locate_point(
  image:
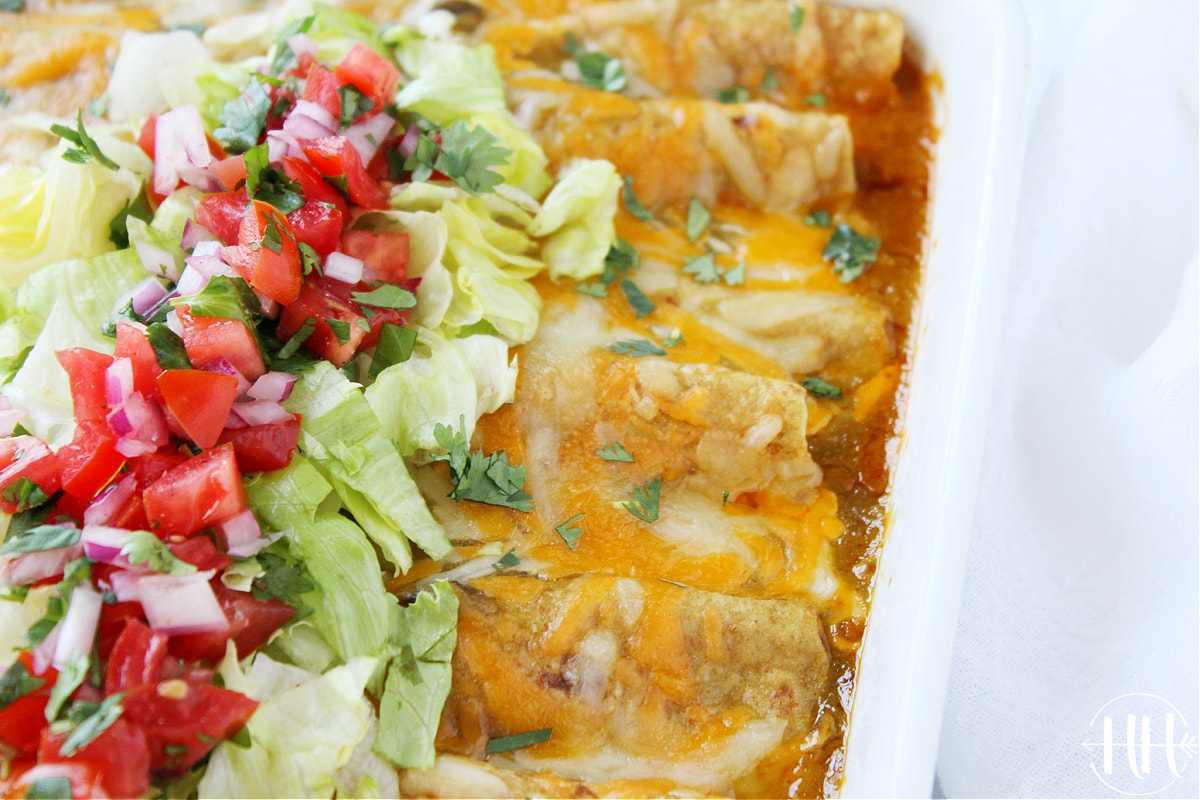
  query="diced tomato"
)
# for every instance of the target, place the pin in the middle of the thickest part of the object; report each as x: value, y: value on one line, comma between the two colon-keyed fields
x: 146, y: 139
x: 119, y: 755
x: 374, y: 75
x: 384, y: 253
x: 221, y: 213
x: 22, y: 720
x: 201, y: 553
x: 230, y: 172
x: 321, y: 88
x: 85, y: 369
x: 267, y: 255
x: 183, y: 721
x: 318, y: 225
x: 84, y: 777
x: 313, y: 185
x: 251, y: 623
x: 90, y: 461
x: 335, y: 157
x: 133, y: 344
x: 263, y: 448
x: 199, y: 400
x: 27, y: 457
x: 318, y: 304
x: 113, y: 617
x: 200, y: 492
x: 209, y: 338
x: 137, y: 657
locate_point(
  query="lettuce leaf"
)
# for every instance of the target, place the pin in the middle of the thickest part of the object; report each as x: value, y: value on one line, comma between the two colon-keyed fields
x: 451, y: 81
x: 418, y: 679
x: 576, y: 220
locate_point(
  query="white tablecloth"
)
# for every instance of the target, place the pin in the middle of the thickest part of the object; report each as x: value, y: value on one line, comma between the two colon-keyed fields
x: 1081, y: 601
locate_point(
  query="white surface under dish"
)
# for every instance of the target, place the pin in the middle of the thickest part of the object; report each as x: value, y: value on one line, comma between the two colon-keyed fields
x: 978, y: 47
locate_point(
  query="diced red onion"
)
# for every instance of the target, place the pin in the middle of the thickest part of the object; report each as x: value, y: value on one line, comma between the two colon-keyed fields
x: 78, y: 627
x: 118, y: 382
x: 341, y: 267
x: 207, y: 260
x: 233, y: 422
x: 179, y: 604
x: 368, y: 135
x: 157, y: 261
x: 147, y: 294
x: 408, y: 143
x: 282, y: 143
x: 202, y: 179
x: 22, y: 569
x: 274, y: 385
x: 308, y: 120
x: 224, y: 366
x: 270, y: 308
x: 103, y: 544
x: 139, y: 425
x: 43, y: 651
x: 174, y: 324
x: 242, y: 534
x: 9, y: 419
x: 302, y: 44
x: 179, y: 142
x: 261, y: 412
x: 191, y: 281
x: 124, y: 585
x: 194, y: 233
x: 105, y: 507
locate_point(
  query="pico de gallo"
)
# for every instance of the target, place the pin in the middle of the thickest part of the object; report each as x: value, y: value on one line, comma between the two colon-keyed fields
x: 138, y: 519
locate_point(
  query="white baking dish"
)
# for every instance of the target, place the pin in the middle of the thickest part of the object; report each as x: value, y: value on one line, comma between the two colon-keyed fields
x: 979, y: 49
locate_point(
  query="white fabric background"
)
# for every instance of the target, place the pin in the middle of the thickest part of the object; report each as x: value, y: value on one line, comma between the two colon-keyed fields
x: 1082, y: 582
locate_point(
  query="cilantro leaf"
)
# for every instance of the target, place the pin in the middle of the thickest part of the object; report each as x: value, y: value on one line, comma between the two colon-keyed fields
x: 736, y: 275
x: 244, y: 118
x: 850, y: 252
x: 703, y: 268
x: 269, y: 185
x: 478, y: 477
x: 509, y: 559
x: 139, y: 208
x: 43, y: 537
x: 467, y: 156
x: 570, y: 535
x: 620, y: 258
x: 698, y: 219
x: 644, y: 504
x: 592, y: 289
x: 819, y: 218
x: 770, y: 81
x: 143, y: 547
x: 615, y: 452
x: 70, y: 677
x: 631, y: 202
x: 386, y: 296
x: 597, y: 70
x: 816, y: 100
x: 225, y: 297
x: 641, y: 304
x: 504, y: 744
x: 820, y: 388
x: 673, y: 338
x: 93, y: 725
x: 636, y: 348
x: 85, y: 150
x: 281, y: 579
x: 796, y: 18
x: 734, y: 94
x: 395, y: 347
x: 24, y: 494
x: 353, y: 104
x: 16, y: 683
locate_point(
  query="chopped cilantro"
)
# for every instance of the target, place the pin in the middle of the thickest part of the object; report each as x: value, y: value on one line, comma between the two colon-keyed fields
x: 703, y: 268
x: 16, y: 683
x: 620, y: 258
x: 736, y: 275
x: 43, y: 537
x: 56, y: 787
x: 818, y: 218
x: 569, y: 534
x: 93, y: 725
x: 644, y: 504
x: 850, y: 252
x: 596, y: 70
x: 673, y: 338
x: 631, y: 202
x: 725, y: 497
x: 281, y: 579
x: 734, y: 94
x: 592, y: 289
x: 395, y: 347
x: 466, y: 156
x: 353, y: 104
x: 770, y: 81
x: 310, y: 259
x: 636, y: 348
x: 139, y: 208
x: 24, y: 494
x: 796, y: 17
x: 70, y: 677
x: 386, y: 296
x: 641, y: 304
x: 269, y: 185
x: 340, y: 328
x: 168, y: 347
x: 509, y: 559
x: 297, y: 339
x: 478, y: 477
x: 504, y: 744
x: 816, y: 100
x: 85, y: 150
x: 820, y: 388
x: 244, y: 118
x: 698, y: 219
x: 225, y: 297
x: 615, y: 452
x: 145, y: 548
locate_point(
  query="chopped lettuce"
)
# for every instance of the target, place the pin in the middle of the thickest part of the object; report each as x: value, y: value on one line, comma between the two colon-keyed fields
x: 577, y: 220
x: 443, y: 379
x: 153, y: 72
x: 418, y: 678
x: 306, y: 728
x: 451, y: 81
x: 341, y: 435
